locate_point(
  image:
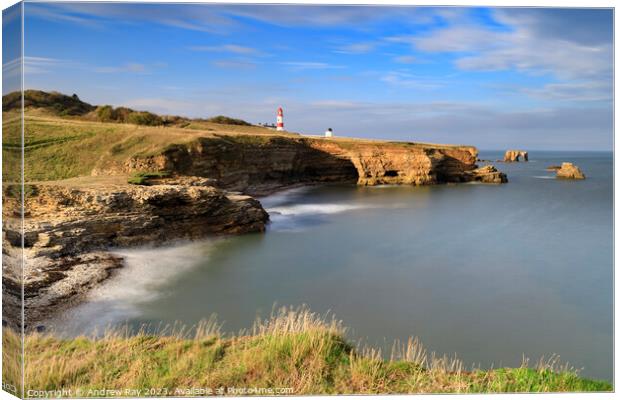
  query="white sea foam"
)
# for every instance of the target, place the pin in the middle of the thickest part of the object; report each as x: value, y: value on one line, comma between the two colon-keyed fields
x: 146, y: 271
x: 315, y: 209
x: 282, y: 197
x: 544, y: 177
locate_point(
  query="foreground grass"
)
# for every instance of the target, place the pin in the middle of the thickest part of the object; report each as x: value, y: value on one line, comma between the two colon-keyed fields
x: 293, y: 352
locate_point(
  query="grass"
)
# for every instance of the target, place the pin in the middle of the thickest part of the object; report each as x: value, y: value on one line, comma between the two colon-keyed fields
x: 144, y: 178
x: 57, y: 148
x: 61, y: 148
x: 294, y: 351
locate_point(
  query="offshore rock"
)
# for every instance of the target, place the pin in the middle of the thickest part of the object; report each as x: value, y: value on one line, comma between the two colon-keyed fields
x: 515, y: 156
x: 487, y: 174
x: 569, y: 171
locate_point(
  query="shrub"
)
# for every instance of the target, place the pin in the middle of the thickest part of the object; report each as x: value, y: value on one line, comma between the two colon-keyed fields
x: 105, y: 113
x: 58, y: 103
x: 221, y: 119
x: 121, y: 114
x: 144, y: 118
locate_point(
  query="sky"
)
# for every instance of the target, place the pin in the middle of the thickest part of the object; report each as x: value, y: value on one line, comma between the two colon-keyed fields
x: 496, y: 78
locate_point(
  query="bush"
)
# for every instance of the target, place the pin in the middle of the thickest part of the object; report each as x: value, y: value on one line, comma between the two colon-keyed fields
x: 58, y: 103
x: 121, y: 114
x: 221, y: 119
x: 105, y: 113
x: 144, y: 118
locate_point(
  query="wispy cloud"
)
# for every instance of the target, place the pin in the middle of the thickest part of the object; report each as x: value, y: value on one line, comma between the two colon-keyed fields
x: 43, y: 65
x: 239, y: 64
x: 12, y: 68
x: 303, y: 65
x: 525, y: 47
x: 229, y: 48
x: 160, y: 105
x: 405, y: 59
x: 357, y: 48
x: 407, y: 80
x: 129, y: 67
x: 195, y: 17
x: 61, y: 13
x: 573, y: 91
x: 315, y: 15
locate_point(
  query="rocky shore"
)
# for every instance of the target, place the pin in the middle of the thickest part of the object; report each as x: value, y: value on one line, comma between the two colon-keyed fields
x: 68, y: 230
x: 69, y: 225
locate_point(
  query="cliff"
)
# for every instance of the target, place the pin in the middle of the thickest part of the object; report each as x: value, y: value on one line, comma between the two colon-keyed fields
x: 69, y: 227
x: 258, y: 164
x: 79, y: 204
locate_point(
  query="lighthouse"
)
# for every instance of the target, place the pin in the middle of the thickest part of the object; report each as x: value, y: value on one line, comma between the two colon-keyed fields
x: 280, y: 120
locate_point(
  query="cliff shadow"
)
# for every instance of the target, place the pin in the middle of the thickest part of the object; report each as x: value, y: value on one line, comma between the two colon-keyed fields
x: 251, y: 163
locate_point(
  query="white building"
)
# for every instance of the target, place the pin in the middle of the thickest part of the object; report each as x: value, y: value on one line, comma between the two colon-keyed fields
x: 329, y: 132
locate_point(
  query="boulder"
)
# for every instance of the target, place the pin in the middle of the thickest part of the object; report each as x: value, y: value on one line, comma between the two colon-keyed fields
x: 486, y: 174
x: 569, y: 171
x: 515, y: 156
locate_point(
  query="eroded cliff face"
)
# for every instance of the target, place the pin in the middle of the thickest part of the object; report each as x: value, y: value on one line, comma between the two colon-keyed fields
x: 257, y: 165
x: 68, y: 230
x: 69, y: 225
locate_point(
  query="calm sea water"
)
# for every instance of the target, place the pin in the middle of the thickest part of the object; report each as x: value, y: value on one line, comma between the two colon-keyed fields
x: 487, y: 272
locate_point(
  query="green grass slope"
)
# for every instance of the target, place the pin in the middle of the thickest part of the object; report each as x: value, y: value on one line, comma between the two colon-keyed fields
x: 293, y: 352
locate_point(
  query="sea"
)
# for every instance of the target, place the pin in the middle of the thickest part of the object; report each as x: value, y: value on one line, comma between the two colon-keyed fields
x: 491, y: 274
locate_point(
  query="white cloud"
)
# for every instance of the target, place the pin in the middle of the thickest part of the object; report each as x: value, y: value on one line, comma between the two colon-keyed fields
x: 405, y: 59
x: 311, y: 65
x: 408, y: 80
x: 43, y: 65
x: 129, y: 67
x: 240, y: 64
x: 228, y: 48
x: 522, y: 47
x: 573, y: 91
x: 356, y: 48
x: 197, y: 17
x: 159, y: 105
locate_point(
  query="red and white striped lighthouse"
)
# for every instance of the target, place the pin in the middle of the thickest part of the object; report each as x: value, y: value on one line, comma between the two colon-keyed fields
x: 280, y: 120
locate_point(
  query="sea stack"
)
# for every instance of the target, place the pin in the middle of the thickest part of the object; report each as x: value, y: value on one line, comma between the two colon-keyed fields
x: 515, y: 156
x: 569, y: 171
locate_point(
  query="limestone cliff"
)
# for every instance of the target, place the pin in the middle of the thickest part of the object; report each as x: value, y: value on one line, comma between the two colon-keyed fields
x: 68, y: 230
x: 70, y: 224
x: 257, y: 165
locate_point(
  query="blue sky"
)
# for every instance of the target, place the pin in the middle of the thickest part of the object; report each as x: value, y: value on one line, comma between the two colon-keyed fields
x: 494, y: 78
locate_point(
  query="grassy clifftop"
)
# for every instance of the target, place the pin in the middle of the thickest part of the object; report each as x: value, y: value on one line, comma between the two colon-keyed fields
x: 60, y: 148
x: 293, y: 352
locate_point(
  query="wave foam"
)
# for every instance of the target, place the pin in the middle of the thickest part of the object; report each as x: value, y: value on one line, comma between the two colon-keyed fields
x: 316, y: 209
x: 146, y: 271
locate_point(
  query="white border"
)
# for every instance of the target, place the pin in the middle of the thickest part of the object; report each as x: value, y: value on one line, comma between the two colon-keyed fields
x: 482, y: 3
